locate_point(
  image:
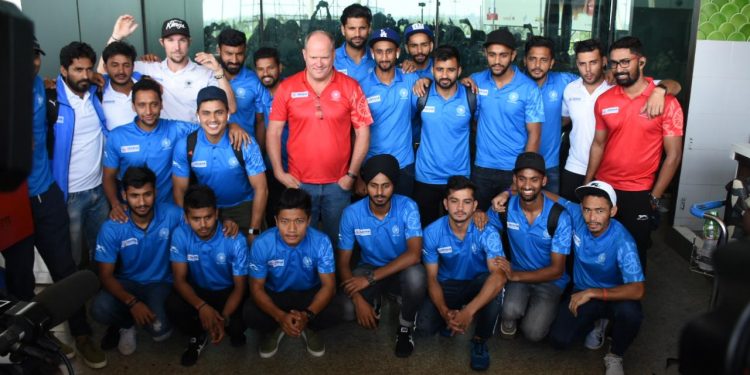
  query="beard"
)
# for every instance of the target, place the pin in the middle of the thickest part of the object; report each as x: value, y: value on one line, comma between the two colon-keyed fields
x: 625, y: 80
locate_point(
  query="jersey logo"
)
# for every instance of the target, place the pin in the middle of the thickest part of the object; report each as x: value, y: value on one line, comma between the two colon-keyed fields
x: 233, y: 162
x: 642, y: 218
x: 166, y: 144
x: 173, y: 249
x: 553, y: 96
x: 403, y: 93
x: 483, y: 92
x: 335, y: 95
x: 130, y: 149
x: 188, y: 84
x: 610, y: 111
x: 514, y: 226
x: 276, y: 263
x: 362, y: 232
x: 601, y: 258
x: 307, y: 263
x: 383, y: 34
x: 395, y: 230
x: 513, y: 97
x: 461, y: 111
x: 445, y: 250
x: 240, y: 92
x: 199, y: 164
x: 373, y: 99
x: 221, y: 258
x: 428, y: 109
x: 100, y: 249
x: 193, y: 257
x: 129, y: 242
x: 164, y: 233
x: 300, y: 94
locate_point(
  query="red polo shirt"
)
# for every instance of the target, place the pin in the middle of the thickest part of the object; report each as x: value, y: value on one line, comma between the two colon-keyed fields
x: 320, y: 148
x: 634, y: 142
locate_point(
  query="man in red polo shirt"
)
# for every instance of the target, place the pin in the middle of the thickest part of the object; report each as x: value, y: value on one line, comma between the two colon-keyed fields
x: 320, y: 106
x: 628, y: 144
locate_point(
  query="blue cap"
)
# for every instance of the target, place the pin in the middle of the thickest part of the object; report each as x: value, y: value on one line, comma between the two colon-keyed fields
x: 212, y: 93
x: 418, y: 28
x: 384, y: 34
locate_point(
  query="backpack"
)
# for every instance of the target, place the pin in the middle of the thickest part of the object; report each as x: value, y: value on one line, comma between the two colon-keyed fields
x: 552, y: 219
x: 192, y: 139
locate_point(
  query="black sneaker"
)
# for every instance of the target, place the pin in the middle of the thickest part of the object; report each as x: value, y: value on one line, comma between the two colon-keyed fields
x: 404, y: 342
x: 111, y: 338
x: 193, y: 350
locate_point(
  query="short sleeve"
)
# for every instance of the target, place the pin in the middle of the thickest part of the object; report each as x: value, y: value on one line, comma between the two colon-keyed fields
x: 494, y: 219
x: 573, y: 209
x: 256, y: 266
x: 346, y: 230
x: 429, y: 248
x: 325, y: 256
x: 628, y: 262
x: 563, y: 234
x: 111, y: 157
x: 360, y: 111
x: 254, y: 164
x: 184, y: 128
x: 239, y: 263
x: 107, y: 246
x: 491, y: 243
x: 672, y: 119
x: 279, y: 104
x: 180, y: 167
x: 534, y: 106
x: 412, y: 220
x: 178, y: 248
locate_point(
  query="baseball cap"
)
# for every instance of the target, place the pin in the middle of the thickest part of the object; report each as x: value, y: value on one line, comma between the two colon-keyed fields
x: 418, y: 28
x: 531, y: 160
x: 37, y: 47
x: 175, y: 26
x: 384, y: 34
x: 501, y: 36
x: 212, y: 93
x: 597, y: 186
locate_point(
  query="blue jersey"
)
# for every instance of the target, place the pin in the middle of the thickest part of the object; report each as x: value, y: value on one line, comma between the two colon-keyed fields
x: 503, y: 115
x: 214, y: 263
x: 249, y: 94
x: 40, y: 177
x: 444, y: 148
x: 531, y: 244
x: 460, y: 259
x: 381, y: 241
x: 427, y: 71
x: 392, y: 107
x: 291, y: 268
x: 344, y: 64
x: 141, y: 255
x: 552, y: 96
x: 606, y: 261
x: 216, y: 165
x: 131, y: 146
x: 267, y: 101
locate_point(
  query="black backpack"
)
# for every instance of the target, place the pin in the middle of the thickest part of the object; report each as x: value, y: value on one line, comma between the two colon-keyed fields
x: 192, y: 139
x: 552, y: 219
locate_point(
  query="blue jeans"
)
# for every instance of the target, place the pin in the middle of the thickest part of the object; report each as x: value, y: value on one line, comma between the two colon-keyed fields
x: 536, y: 303
x: 626, y: 318
x: 490, y: 182
x: 87, y: 210
x: 553, y: 180
x: 108, y: 310
x: 457, y: 293
x: 328, y: 203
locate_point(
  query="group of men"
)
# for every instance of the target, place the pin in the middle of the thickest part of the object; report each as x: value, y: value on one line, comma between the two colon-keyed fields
x: 245, y: 152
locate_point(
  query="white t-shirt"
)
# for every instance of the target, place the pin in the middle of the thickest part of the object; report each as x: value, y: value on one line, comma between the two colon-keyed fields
x: 578, y: 104
x: 118, y: 107
x: 180, y: 88
x: 85, y: 171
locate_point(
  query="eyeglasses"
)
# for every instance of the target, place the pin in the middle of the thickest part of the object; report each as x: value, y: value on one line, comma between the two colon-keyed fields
x: 624, y: 63
x: 318, y: 109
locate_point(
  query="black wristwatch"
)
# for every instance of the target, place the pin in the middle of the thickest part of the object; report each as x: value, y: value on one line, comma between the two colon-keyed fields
x: 310, y: 314
x: 371, y: 278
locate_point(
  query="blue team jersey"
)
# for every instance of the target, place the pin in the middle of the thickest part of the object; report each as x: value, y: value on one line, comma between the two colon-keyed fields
x: 267, y: 102
x: 217, y: 166
x: 381, y: 241
x: 444, y: 147
x: 531, y: 244
x: 392, y: 107
x: 212, y: 264
x: 503, y: 115
x: 131, y: 146
x: 249, y: 94
x: 552, y: 96
x: 460, y: 259
x: 40, y: 177
x: 291, y: 268
x: 606, y: 261
x: 344, y: 64
x: 141, y: 255
x: 427, y: 71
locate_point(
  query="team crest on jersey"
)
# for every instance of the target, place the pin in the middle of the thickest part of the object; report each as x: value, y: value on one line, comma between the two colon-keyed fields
x: 164, y: 233
x: 403, y: 93
x: 307, y: 263
x: 395, y: 230
x: 233, y: 162
x: 601, y: 258
x: 553, y: 95
x: 513, y: 97
x: 460, y: 111
x: 166, y: 144
x: 240, y: 92
x: 221, y: 258
x: 335, y: 95
x: 188, y: 84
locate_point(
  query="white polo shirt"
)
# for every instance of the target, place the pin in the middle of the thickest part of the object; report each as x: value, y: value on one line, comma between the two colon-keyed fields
x: 180, y: 87
x: 118, y: 107
x: 85, y: 171
x: 578, y: 104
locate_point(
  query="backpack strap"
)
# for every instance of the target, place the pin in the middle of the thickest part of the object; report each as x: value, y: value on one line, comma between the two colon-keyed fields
x: 421, y: 103
x: 192, y: 139
x: 504, y: 238
x: 471, y: 97
x: 553, y: 218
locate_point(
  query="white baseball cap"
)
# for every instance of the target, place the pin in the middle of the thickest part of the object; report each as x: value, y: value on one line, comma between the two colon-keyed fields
x: 597, y: 186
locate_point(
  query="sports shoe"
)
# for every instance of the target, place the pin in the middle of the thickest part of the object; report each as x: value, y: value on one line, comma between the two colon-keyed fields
x: 595, y: 338
x: 480, y: 355
x: 270, y: 344
x: 315, y: 345
x: 91, y: 354
x: 377, y: 305
x: 613, y: 365
x: 111, y: 338
x: 404, y: 342
x: 65, y: 349
x: 193, y: 350
x: 508, y: 329
x: 126, y: 344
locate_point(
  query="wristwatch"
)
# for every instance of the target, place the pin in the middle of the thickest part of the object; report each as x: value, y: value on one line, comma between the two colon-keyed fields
x: 253, y: 231
x: 371, y: 278
x: 219, y: 76
x: 310, y: 314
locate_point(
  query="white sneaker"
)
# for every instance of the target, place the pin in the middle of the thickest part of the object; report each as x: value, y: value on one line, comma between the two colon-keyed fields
x: 613, y: 365
x: 126, y: 345
x: 595, y: 338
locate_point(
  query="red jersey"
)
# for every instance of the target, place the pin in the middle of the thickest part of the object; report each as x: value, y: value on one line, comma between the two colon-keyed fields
x: 320, y: 127
x: 634, y: 142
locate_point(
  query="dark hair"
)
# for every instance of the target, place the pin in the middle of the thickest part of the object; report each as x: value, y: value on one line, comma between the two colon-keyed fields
x: 199, y: 196
x: 119, y: 48
x: 630, y: 42
x: 137, y: 177
x: 540, y: 41
x: 459, y: 183
x: 446, y: 52
x: 292, y: 198
x: 232, y: 38
x: 76, y: 50
x: 356, y: 11
x: 266, y: 53
x: 597, y: 193
x: 589, y: 45
x: 146, y: 84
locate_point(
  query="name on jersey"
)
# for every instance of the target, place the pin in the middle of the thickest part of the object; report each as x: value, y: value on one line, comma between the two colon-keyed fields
x: 363, y: 232
x: 373, y: 99
x: 193, y: 257
x: 428, y: 109
x: 129, y: 242
x: 300, y: 94
x: 483, y: 92
x: 130, y: 149
x: 199, y: 164
x: 445, y: 250
x: 610, y: 111
x: 514, y: 226
x: 276, y: 263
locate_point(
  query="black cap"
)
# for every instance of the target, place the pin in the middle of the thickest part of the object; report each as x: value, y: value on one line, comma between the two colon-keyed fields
x: 383, y: 163
x: 212, y: 93
x: 175, y: 26
x: 501, y: 36
x: 37, y: 47
x: 530, y: 160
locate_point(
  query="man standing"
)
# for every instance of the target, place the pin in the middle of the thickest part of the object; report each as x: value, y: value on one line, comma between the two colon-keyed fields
x: 622, y: 127
x: 463, y: 278
x: 387, y: 229
x: 292, y: 279
x: 392, y: 104
x: 353, y: 57
x: 210, y: 277
x: 134, y: 265
x: 419, y: 44
x: 510, y: 116
x: 118, y: 58
x: 320, y: 106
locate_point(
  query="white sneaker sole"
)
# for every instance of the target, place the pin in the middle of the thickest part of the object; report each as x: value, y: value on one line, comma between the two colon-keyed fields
x: 267, y: 355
